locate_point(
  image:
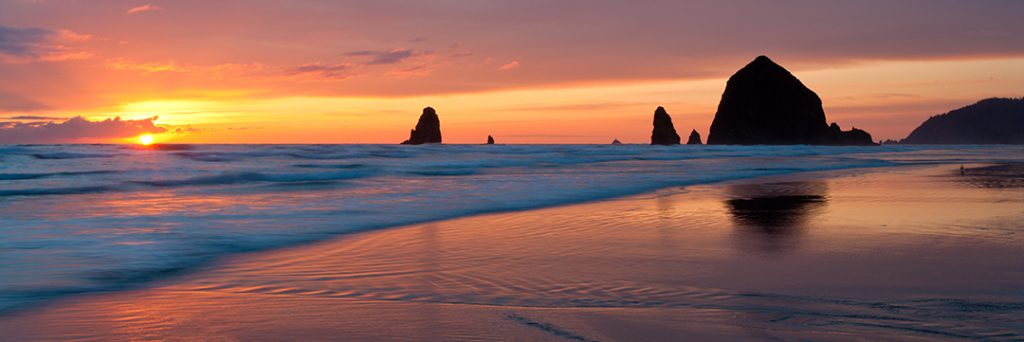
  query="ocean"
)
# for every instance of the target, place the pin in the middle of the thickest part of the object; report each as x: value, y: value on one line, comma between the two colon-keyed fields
x: 80, y: 219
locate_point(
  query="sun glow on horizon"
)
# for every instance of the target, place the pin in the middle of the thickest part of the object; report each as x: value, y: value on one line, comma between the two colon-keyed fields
x: 580, y: 113
x: 146, y: 139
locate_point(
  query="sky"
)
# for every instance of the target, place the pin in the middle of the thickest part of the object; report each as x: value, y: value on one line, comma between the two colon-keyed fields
x: 524, y: 71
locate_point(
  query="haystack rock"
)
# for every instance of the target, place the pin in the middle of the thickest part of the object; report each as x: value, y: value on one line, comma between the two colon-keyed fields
x: 764, y: 104
x: 664, y: 132
x: 490, y: 140
x: 694, y: 138
x: 616, y: 142
x: 990, y: 121
x: 427, y: 131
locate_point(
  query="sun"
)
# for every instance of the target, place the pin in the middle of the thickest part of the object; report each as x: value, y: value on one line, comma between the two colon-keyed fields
x: 146, y: 139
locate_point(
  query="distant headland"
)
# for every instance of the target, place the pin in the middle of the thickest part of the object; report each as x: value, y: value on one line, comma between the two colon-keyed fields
x: 990, y: 121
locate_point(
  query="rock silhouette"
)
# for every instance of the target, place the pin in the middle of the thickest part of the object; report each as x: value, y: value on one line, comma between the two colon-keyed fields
x: 664, y: 132
x: 427, y: 131
x: 989, y: 121
x: 616, y: 142
x: 490, y: 140
x: 764, y: 104
x: 694, y: 138
x: 854, y: 136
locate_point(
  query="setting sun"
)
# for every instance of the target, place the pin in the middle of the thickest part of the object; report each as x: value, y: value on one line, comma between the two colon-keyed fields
x: 146, y: 139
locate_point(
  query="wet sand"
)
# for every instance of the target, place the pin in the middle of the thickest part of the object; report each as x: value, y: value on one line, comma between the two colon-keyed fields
x: 903, y: 254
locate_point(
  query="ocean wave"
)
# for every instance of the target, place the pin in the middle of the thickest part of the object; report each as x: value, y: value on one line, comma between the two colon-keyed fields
x: 193, y: 205
x: 65, y: 155
x: 254, y: 177
x: 55, y: 191
x: 22, y: 176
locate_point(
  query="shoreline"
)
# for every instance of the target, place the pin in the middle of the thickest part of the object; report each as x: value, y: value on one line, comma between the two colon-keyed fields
x: 392, y: 277
x: 149, y: 276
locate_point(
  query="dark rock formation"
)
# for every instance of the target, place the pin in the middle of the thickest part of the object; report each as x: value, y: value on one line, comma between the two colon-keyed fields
x: 854, y: 136
x: 616, y: 142
x: 427, y: 131
x: 990, y: 121
x: 764, y: 104
x: 694, y: 138
x: 490, y: 140
x: 664, y: 132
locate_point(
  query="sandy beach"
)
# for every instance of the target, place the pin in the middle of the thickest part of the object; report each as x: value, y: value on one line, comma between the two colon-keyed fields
x: 912, y: 253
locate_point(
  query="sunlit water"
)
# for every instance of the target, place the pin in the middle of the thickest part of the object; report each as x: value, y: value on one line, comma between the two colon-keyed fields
x: 77, y: 219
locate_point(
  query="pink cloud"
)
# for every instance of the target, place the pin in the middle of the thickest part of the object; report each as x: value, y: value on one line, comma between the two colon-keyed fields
x: 393, y: 56
x: 334, y: 71
x: 76, y: 129
x: 144, y: 68
x: 509, y: 66
x: 144, y: 8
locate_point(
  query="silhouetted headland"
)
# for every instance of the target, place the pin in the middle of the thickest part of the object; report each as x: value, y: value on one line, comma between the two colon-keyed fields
x: 990, y: 121
x: 764, y: 104
x: 664, y: 132
x: 427, y: 131
x: 694, y: 138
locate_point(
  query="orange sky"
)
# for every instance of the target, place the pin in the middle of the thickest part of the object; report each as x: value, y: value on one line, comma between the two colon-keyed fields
x: 526, y: 71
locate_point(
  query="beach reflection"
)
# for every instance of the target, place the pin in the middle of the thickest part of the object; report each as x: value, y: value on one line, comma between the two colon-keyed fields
x: 771, y: 217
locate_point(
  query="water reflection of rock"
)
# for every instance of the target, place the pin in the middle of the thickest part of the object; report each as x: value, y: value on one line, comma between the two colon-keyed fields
x: 771, y: 217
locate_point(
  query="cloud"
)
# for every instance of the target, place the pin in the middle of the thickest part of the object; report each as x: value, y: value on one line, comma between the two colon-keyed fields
x: 144, y: 68
x: 144, y: 8
x: 217, y: 71
x: 337, y: 71
x: 76, y: 129
x: 35, y: 117
x: 23, y: 42
x: 185, y: 130
x: 29, y: 44
x: 509, y: 66
x: 392, y: 56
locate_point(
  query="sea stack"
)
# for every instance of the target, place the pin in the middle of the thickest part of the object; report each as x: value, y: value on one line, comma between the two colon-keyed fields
x: 490, y: 140
x: 764, y: 104
x: 427, y: 131
x: 664, y: 132
x: 694, y: 138
x: 616, y: 142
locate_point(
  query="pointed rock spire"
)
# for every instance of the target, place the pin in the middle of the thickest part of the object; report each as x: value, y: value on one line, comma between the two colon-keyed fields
x: 694, y: 138
x: 490, y: 140
x: 427, y: 131
x: 664, y: 132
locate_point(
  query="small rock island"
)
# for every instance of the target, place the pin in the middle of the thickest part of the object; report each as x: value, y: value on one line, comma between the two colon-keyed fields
x: 694, y: 138
x: 427, y: 131
x: 664, y: 132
